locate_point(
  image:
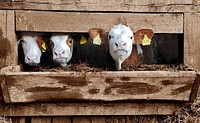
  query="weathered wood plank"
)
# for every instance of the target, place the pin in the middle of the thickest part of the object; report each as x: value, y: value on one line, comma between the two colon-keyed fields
x: 8, y: 50
x: 105, y: 5
x: 61, y: 120
x: 4, y: 90
x: 98, y: 119
x: 195, y: 88
x: 106, y: 86
x: 83, y: 119
x: 41, y: 120
x: 191, y: 37
x: 18, y: 120
x: 143, y: 119
x: 86, y: 108
x: 82, y: 22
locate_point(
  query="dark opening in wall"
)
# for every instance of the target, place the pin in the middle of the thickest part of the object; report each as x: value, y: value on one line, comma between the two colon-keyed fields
x: 164, y: 49
x: 169, y: 48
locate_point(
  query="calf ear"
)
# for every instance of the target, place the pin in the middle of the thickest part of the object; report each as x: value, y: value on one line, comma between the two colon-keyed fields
x: 41, y: 44
x: 141, y: 34
x: 93, y: 32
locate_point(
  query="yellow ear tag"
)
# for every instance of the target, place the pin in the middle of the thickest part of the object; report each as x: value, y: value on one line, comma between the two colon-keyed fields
x: 97, y: 40
x: 83, y: 40
x: 44, y: 48
x: 146, y: 41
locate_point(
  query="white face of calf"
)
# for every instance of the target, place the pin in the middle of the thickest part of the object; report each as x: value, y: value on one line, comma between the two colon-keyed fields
x: 120, y: 43
x: 62, y: 48
x: 31, y: 50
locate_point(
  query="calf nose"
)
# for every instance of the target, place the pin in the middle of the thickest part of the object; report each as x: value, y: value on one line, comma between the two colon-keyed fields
x: 120, y: 45
x: 32, y: 58
x: 59, y: 52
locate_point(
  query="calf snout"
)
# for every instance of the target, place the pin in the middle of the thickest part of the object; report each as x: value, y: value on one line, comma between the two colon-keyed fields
x: 59, y: 53
x: 120, y: 45
x: 32, y: 60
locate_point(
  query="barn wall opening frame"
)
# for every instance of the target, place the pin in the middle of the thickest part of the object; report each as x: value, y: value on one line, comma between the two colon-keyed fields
x: 32, y: 15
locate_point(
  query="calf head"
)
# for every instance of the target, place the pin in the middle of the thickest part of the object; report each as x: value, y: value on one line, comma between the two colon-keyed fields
x: 120, y: 43
x: 62, y: 48
x: 142, y: 38
x: 32, y: 46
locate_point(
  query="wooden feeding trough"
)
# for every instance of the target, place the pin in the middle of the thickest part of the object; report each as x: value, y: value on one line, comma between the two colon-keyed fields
x: 95, y: 93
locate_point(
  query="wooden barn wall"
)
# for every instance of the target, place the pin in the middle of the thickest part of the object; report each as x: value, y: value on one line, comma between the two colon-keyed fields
x: 105, y: 5
x: 188, y: 12
x: 70, y: 21
x: 192, y: 40
x: 8, y: 43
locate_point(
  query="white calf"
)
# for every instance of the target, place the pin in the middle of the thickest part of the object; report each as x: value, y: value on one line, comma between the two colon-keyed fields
x: 120, y: 43
x: 62, y: 48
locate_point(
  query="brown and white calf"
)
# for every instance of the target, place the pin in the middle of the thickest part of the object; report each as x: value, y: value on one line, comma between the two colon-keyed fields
x: 62, y: 48
x: 121, y: 41
x: 31, y: 46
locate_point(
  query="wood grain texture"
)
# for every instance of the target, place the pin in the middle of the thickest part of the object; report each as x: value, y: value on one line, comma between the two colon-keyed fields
x: 41, y: 120
x: 86, y: 108
x: 82, y: 22
x: 4, y: 89
x: 106, y: 86
x: 8, y: 43
x: 191, y: 40
x: 61, y: 119
x: 98, y: 119
x: 105, y: 5
x: 195, y: 88
x: 81, y: 119
x: 18, y: 120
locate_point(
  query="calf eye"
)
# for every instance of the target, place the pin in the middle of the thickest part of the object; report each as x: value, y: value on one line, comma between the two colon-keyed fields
x: 109, y: 37
x: 71, y: 41
x: 131, y: 37
x: 51, y: 44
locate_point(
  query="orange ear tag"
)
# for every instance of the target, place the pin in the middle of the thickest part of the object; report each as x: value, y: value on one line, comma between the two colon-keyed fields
x: 146, y: 41
x: 97, y: 40
x: 83, y: 40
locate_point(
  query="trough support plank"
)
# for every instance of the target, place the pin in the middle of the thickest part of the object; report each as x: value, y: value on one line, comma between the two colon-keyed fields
x: 5, y: 93
x: 81, y: 119
x: 98, y: 119
x: 37, y: 21
x: 41, y: 120
x: 191, y: 40
x: 82, y: 109
x: 195, y: 88
x: 8, y: 50
x: 106, y: 5
x: 61, y: 119
x: 18, y: 120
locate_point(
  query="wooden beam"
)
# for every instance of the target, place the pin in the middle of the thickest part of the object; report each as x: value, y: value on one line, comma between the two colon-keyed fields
x: 8, y: 50
x: 195, y: 88
x: 106, y: 86
x: 106, y: 5
x: 82, y: 22
x: 4, y: 89
x: 191, y: 37
x: 61, y: 120
x: 86, y: 108
x: 81, y: 119
x: 41, y: 120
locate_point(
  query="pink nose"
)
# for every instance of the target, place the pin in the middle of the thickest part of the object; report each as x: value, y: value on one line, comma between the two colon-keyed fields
x: 32, y: 59
x: 60, y: 52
